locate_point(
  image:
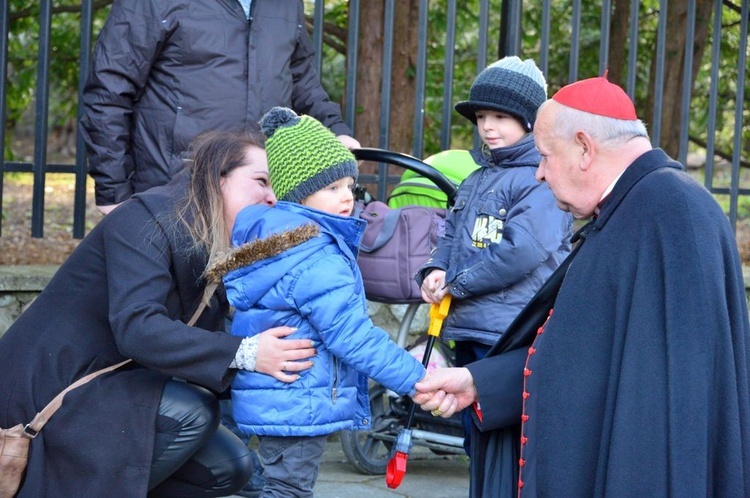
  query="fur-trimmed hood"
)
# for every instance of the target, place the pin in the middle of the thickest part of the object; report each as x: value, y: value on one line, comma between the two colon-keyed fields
x: 272, y: 241
x: 258, y: 250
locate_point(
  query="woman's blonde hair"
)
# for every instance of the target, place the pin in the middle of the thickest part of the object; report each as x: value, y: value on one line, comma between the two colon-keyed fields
x: 212, y: 155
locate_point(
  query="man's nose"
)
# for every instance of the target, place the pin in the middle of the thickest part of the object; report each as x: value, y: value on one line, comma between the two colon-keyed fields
x: 539, y: 175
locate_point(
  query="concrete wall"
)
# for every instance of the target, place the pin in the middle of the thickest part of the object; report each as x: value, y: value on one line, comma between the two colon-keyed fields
x: 19, y: 285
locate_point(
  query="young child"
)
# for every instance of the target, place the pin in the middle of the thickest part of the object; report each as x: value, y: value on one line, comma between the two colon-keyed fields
x: 296, y: 265
x: 505, y: 234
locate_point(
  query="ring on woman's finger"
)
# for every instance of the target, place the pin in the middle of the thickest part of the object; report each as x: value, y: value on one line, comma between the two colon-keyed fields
x: 436, y: 412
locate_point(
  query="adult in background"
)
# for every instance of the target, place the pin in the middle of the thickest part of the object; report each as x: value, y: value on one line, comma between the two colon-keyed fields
x: 163, y: 71
x: 637, y: 384
x: 127, y: 291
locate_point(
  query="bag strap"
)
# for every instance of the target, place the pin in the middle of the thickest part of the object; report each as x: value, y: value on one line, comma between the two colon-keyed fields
x: 32, y: 429
x: 387, y: 229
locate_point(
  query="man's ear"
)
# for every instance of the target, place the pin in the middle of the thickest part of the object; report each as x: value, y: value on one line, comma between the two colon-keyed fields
x: 588, y: 148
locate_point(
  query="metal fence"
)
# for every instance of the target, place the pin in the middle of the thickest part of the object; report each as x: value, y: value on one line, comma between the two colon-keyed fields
x: 510, y: 41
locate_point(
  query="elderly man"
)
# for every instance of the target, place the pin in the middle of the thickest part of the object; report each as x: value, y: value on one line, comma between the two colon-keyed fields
x: 637, y: 383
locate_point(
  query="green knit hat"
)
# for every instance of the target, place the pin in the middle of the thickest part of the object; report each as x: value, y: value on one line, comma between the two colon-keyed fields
x: 303, y: 155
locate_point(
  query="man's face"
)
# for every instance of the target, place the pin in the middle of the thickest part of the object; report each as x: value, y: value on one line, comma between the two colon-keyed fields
x: 560, y: 166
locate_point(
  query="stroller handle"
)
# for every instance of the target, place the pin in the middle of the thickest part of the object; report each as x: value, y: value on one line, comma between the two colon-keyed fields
x: 410, y: 163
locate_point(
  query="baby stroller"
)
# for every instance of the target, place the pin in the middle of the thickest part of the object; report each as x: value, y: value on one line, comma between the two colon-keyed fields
x: 370, y: 450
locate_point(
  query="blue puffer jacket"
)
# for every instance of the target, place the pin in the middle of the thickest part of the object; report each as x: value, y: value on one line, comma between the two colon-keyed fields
x: 299, y: 269
x: 503, y: 238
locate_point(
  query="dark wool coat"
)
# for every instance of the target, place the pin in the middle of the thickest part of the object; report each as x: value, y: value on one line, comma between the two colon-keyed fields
x: 125, y: 292
x: 638, y: 383
x: 163, y: 71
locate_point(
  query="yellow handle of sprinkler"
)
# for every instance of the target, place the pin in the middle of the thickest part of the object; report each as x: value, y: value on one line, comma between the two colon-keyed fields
x: 438, y: 312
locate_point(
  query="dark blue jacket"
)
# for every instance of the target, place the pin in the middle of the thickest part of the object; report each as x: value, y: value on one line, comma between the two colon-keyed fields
x: 503, y: 238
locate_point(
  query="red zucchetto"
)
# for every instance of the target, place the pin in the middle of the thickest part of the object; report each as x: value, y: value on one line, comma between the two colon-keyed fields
x: 597, y: 96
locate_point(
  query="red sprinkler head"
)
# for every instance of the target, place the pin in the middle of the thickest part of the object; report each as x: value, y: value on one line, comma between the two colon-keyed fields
x: 396, y: 470
x: 397, y: 464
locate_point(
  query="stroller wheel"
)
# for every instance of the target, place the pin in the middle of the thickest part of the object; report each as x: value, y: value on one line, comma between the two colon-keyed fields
x: 369, y: 450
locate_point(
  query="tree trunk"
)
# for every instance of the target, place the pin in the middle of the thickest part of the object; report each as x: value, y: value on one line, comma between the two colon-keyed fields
x: 674, y: 66
x: 618, y: 42
x: 369, y: 78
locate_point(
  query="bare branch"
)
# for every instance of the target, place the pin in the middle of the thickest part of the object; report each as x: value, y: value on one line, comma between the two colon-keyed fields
x: 722, y: 154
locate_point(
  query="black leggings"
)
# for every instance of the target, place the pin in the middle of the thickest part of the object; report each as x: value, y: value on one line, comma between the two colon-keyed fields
x: 193, y: 454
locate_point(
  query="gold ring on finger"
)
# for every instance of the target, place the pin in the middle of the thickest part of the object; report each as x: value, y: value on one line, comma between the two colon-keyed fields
x: 436, y: 412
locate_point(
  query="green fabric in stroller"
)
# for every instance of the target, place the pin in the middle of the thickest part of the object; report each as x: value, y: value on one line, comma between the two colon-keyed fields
x: 414, y: 189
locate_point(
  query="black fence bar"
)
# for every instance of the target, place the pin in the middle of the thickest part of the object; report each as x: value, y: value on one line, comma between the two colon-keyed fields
x: 661, y: 47
x: 713, y: 95
x: 450, y: 50
x: 739, y: 100
x: 604, y: 38
x: 510, y: 24
x: 42, y: 110
x: 3, y: 91
x: 385, y: 93
x: 484, y: 23
x: 687, y: 79
x: 79, y: 202
x: 351, y: 65
x: 633, y: 48
x: 317, y: 37
x: 420, y: 80
x: 544, y: 39
x: 575, y: 41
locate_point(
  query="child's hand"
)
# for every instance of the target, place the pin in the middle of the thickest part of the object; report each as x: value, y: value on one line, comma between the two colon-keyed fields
x: 282, y: 358
x: 433, y: 287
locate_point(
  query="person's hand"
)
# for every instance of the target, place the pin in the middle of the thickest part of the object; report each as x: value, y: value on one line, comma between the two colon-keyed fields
x: 107, y: 209
x: 433, y: 287
x: 445, y: 391
x: 282, y: 358
x: 349, y: 142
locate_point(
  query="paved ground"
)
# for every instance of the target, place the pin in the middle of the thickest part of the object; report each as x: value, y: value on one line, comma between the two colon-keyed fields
x: 428, y: 476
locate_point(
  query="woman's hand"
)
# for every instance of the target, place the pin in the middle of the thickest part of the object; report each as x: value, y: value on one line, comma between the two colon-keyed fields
x: 282, y: 358
x: 444, y: 391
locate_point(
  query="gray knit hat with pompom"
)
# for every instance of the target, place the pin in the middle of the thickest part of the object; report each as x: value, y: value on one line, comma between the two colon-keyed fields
x: 508, y: 85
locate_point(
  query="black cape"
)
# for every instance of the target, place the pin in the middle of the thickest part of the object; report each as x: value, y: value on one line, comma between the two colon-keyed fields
x: 639, y: 384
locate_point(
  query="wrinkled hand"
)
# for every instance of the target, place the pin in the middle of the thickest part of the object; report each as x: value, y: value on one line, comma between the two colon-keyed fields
x: 445, y: 391
x: 433, y: 287
x: 349, y: 142
x: 282, y: 358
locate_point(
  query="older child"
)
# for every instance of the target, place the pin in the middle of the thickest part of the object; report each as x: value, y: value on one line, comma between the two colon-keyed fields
x: 505, y: 235
x: 296, y: 265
